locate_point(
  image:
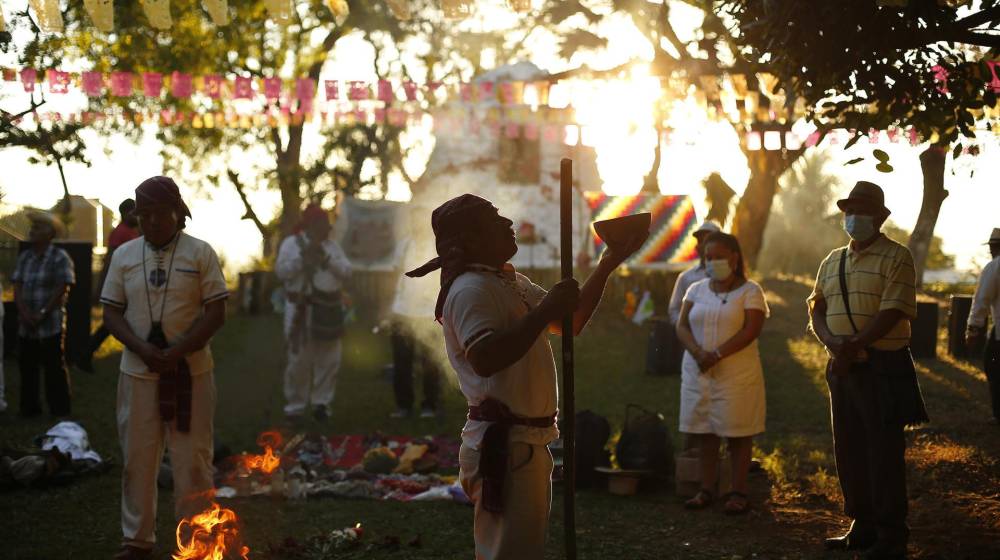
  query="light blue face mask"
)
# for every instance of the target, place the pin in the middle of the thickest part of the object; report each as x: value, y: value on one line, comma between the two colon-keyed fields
x: 719, y: 269
x: 859, y: 226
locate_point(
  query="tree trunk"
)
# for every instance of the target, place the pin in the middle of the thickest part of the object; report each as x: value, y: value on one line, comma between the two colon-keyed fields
x: 932, y: 165
x: 754, y: 207
x: 290, y: 180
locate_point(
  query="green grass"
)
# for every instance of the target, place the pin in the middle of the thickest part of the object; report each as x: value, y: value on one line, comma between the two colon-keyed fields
x: 954, y: 471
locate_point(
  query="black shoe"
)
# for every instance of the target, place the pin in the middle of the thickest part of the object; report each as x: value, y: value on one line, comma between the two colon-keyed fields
x: 850, y: 541
x: 320, y: 414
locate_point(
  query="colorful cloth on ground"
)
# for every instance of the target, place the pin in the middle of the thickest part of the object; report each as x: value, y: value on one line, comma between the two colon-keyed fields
x: 673, y: 221
x: 351, y: 449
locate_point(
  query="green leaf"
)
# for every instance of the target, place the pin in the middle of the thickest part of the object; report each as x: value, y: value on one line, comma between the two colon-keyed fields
x: 957, y: 151
x: 855, y: 160
x: 854, y: 140
x: 880, y: 155
x: 884, y: 168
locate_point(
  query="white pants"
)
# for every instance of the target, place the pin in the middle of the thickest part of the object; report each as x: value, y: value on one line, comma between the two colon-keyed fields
x: 142, y: 435
x: 311, y: 375
x: 519, y: 532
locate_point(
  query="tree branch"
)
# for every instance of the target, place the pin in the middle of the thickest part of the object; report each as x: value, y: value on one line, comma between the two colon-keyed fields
x: 250, y: 214
x: 984, y: 16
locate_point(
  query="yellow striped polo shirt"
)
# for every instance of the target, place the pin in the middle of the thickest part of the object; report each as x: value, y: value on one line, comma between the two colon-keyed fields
x: 880, y: 277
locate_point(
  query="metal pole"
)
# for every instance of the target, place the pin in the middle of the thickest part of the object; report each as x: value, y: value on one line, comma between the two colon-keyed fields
x: 568, y: 397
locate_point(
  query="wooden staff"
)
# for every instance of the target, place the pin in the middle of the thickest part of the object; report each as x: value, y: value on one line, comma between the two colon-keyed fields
x: 568, y: 397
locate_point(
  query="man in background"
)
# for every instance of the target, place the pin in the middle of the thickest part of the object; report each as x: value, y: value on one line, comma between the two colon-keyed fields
x: 693, y: 274
x: 42, y: 277
x: 987, y: 302
x: 126, y: 230
x: 313, y: 268
x: 416, y: 337
x: 164, y: 299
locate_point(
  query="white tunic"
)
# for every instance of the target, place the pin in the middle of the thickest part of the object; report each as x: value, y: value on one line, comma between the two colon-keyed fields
x: 482, y: 302
x: 728, y: 400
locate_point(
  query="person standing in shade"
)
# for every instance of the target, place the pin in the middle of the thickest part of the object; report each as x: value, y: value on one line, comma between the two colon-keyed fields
x: 494, y: 321
x: 985, y: 303
x: 693, y: 274
x: 722, y: 381
x: 416, y: 339
x: 313, y: 268
x: 860, y: 309
x: 125, y: 231
x: 42, y: 277
x: 164, y: 298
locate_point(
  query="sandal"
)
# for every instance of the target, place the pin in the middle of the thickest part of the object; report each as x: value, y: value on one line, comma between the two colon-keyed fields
x: 736, y: 503
x: 701, y: 500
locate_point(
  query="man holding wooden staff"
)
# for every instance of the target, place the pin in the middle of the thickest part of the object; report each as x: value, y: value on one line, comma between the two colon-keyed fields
x: 494, y: 322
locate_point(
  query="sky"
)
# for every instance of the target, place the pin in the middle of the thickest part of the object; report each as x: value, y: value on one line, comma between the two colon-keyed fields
x: 617, y: 126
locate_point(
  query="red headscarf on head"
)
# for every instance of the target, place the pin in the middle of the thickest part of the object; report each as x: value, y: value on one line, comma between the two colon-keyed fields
x: 451, y: 219
x: 160, y: 190
x: 313, y: 213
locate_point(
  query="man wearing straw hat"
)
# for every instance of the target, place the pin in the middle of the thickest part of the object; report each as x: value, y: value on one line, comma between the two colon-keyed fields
x: 987, y: 302
x: 494, y: 322
x: 164, y: 298
x: 860, y: 309
x: 42, y: 277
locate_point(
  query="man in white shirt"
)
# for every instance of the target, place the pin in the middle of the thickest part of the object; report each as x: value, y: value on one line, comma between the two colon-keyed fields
x: 313, y: 268
x: 987, y: 302
x: 494, y: 321
x: 416, y: 338
x: 693, y: 274
x: 164, y: 298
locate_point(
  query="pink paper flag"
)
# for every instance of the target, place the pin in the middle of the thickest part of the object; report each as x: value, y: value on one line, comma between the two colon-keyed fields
x: 512, y: 130
x: 873, y: 136
x: 550, y: 133
x: 941, y: 76
x: 213, y: 86
x: 121, y: 84
x: 272, y: 88
x: 242, y: 87
x: 152, y: 84
x: 358, y: 90
x: 486, y: 91
x: 380, y: 115
x: 385, y: 91
x: 410, y: 89
x: 531, y: 131
x: 465, y: 91
x: 995, y: 84
x: 506, y: 93
x: 332, y: 88
x: 397, y: 117
x: 58, y: 81
x: 29, y: 77
x: 181, y: 85
x: 432, y: 87
x: 305, y: 89
x: 914, y: 139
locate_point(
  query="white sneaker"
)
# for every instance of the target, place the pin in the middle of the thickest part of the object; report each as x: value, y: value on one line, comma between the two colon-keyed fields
x: 428, y: 413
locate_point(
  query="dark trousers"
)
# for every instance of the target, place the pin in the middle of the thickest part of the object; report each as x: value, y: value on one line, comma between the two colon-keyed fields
x: 991, y: 365
x: 408, y: 348
x: 35, y: 356
x: 870, y: 458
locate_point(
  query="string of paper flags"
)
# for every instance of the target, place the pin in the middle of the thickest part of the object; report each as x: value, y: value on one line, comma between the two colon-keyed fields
x: 102, y: 14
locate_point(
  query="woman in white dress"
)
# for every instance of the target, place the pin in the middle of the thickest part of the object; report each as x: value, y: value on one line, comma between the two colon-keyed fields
x: 722, y: 382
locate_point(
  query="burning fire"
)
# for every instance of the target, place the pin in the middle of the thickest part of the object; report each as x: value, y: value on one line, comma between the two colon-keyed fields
x: 268, y: 462
x: 210, y: 535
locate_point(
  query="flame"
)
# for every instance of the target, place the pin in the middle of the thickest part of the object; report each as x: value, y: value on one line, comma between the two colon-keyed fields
x: 268, y: 462
x: 214, y: 535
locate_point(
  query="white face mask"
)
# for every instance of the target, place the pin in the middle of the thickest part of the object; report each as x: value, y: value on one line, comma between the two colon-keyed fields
x: 859, y: 226
x: 719, y: 269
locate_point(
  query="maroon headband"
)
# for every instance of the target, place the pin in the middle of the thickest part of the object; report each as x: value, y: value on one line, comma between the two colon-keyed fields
x: 159, y: 190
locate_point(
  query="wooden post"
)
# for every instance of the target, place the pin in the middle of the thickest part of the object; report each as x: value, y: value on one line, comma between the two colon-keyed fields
x: 568, y: 397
